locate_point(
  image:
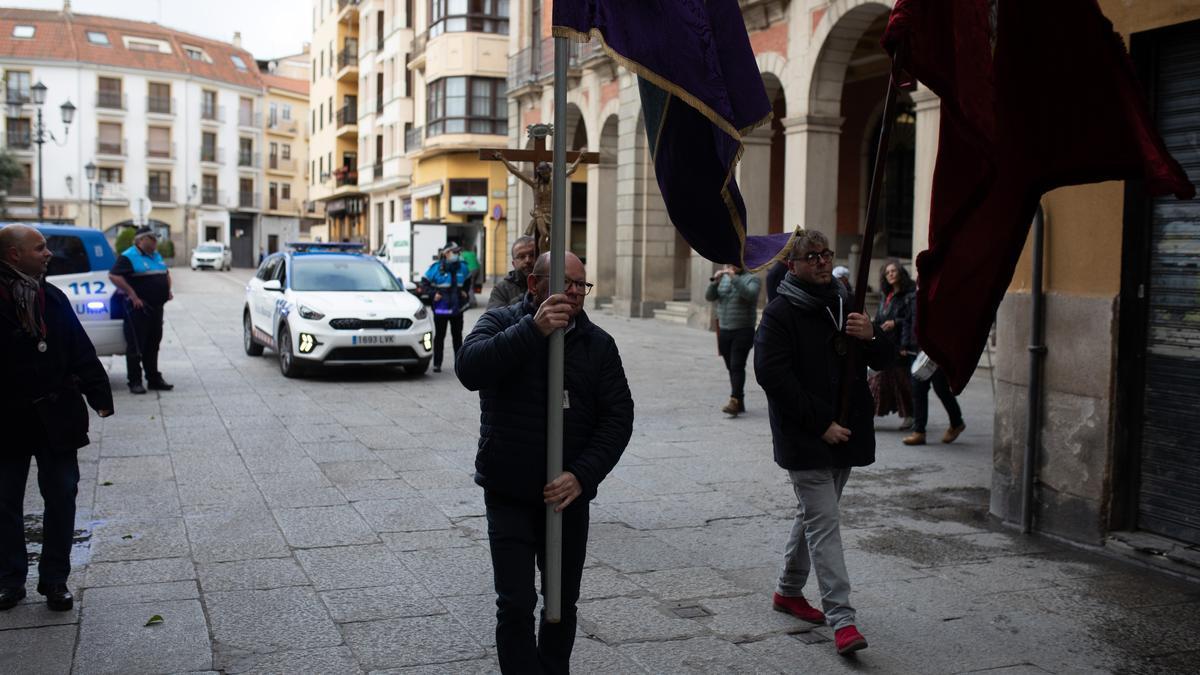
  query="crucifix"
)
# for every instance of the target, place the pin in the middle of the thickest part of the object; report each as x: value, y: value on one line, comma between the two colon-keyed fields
x: 540, y: 178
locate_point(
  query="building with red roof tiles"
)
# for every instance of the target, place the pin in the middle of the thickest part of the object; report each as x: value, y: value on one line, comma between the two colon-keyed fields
x: 168, y: 128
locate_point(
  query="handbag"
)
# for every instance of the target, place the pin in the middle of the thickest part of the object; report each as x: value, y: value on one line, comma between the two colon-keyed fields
x: 923, y: 367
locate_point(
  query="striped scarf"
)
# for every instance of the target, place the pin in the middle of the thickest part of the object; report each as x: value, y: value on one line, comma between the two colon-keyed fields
x: 24, y: 291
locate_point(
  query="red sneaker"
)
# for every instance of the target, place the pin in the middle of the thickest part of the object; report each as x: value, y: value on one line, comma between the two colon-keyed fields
x: 799, y: 608
x: 848, y: 640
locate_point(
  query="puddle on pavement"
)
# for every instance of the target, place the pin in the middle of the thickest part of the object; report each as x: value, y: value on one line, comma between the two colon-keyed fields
x: 81, y: 542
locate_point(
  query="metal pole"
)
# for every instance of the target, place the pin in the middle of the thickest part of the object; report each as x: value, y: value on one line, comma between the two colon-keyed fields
x: 40, y: 138
x: 552, y: 580
x: 1037, y: 353
x: 91, y: 193
x: 853, y: 362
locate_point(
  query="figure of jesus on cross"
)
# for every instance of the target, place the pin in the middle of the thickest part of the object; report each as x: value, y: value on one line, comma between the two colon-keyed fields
x: 540, y: 179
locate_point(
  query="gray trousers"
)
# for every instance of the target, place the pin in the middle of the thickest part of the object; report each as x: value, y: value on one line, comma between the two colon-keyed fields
x: 816, y: 541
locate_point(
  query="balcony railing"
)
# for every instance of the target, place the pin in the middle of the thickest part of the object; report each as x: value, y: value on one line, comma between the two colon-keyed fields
x: 283, y: 126
x: 348, y: 57
x: 212, y: 113
x: 419, y: 42
x: 212, y: 155
x: 522, y: 69
x: 248, y: 200
x: 159, y: 151
x: 414, y: 139
x: 159, y: 193
x: 347, y: 115
x: 249, y: 159
x: 160, y: 105
x: 347, y: 178
x: 378, y: 171
x: 288, y: 204
x: 114, y: 148
x: 21, y: 187
x: 19, y: 140
x: 210, y: 196
x: 281, y: 164
x: 343, y: 4
x: 249, y: 118
x: 110, y: 100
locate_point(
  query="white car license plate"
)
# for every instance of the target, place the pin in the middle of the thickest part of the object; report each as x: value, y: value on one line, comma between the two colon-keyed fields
x: 373, y: 340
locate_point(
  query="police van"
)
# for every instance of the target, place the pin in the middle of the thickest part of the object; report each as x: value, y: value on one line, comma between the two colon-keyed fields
x: 79, y: 267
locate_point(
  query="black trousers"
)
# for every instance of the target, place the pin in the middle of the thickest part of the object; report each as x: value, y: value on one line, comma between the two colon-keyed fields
x: 143, y: 334
x: 921, y: 401
x: 439, y: 334
x: 734, y: 346
x: 58, y: 479
x: 517, y: 535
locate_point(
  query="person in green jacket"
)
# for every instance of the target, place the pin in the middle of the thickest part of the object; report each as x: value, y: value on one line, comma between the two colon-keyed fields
x: 736, y: 293
x: 476, y: 278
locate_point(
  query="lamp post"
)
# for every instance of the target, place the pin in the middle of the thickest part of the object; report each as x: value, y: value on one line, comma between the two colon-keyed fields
x: 38, y: 95
x: 187, y: 207
x: 90, y: 171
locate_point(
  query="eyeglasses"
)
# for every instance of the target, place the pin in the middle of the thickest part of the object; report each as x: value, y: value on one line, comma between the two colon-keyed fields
x: 582, y: 286
x: 812, y: 257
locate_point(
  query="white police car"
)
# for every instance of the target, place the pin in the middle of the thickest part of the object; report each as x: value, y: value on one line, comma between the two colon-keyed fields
x: 213, y: 255
x: 79, y: 268
x: 326, y: 304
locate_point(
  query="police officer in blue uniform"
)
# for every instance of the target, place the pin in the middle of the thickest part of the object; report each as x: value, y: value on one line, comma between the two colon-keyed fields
x: 142, y: 275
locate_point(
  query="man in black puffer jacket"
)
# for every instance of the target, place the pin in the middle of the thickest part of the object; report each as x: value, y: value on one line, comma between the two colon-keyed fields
x: 47, y: 365
x: 799, y: 352
x: 505, y: 359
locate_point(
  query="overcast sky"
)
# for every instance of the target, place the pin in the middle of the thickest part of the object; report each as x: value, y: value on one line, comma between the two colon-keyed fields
x: 270, y: 28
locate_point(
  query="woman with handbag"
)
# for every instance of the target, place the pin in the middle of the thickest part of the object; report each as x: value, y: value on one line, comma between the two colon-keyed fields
x: 892, y: 388
x: 449, y: 278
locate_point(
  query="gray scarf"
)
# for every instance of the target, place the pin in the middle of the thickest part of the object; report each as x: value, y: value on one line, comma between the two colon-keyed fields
x: 24, y: 291
x: 812, y: 297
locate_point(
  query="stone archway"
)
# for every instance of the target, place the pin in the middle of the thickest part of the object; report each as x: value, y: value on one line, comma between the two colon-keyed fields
x: 602, y: 214
x: 575, y: 128
x: 846, y: 86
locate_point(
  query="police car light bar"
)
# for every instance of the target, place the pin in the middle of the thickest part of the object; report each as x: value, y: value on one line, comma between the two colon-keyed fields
x: 304, y: 246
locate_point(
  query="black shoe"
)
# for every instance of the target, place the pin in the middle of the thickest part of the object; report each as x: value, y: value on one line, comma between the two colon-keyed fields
x: 9, y: 597
x: 437, y: 369
x: 137, y: 388
x: 58, y: 596
x: 159, y: 385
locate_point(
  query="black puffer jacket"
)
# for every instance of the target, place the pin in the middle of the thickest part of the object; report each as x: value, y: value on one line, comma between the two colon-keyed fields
x: 798, y: 368
x: 504, y: 359
x: 40, y: 403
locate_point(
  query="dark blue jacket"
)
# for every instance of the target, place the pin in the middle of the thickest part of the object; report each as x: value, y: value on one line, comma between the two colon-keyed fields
x: 40, y: 403
x: 504, y: 359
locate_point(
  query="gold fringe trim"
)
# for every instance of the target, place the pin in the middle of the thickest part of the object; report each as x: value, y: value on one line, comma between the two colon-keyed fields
x: 720, y: 122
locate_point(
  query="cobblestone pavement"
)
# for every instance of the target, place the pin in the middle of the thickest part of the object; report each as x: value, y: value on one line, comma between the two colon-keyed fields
x: 331, y: 525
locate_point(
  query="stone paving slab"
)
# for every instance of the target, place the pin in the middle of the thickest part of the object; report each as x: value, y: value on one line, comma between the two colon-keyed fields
x: 39, y: 651
x: 410, y: 641
x: 262, y: 621
x: 116, y: 639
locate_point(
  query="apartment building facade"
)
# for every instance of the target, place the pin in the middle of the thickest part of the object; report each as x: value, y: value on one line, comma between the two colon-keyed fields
x: 171, y: 123
x: 333, y: 121
x: 386, y: 89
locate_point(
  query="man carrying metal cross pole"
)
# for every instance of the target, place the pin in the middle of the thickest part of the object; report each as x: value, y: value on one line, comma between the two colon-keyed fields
x: 542, y: 458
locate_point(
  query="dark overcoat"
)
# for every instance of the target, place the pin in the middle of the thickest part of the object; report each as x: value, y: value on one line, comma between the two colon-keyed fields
x: 41, y: 401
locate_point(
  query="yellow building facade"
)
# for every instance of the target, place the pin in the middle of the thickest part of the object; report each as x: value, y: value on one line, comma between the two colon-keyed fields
x: 459, y: 67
